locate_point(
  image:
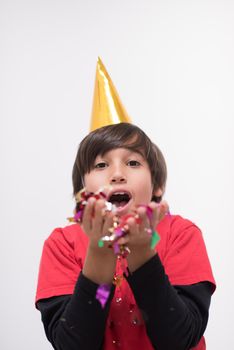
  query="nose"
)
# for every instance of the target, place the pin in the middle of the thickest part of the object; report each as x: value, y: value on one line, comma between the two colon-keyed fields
x: 118, y: 177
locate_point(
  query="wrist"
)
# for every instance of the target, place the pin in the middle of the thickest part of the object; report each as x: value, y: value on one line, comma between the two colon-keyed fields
x: 139, y: 257
x: 99, y: 265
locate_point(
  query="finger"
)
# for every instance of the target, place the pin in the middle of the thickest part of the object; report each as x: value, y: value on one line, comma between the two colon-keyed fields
x: 132, y: 226
x: 97, y: 222
x: 164, y: 209
x: 159, y: 211
x: 124, y: 240
x: 108, y: 223
x: 88, y: 214
x: 144, y: 221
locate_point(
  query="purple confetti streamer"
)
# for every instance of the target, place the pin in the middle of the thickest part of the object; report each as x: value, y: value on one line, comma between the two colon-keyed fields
x: 78, y: 215
x: 116, y: 248
x: 103, y: 293
x: 119, y: 232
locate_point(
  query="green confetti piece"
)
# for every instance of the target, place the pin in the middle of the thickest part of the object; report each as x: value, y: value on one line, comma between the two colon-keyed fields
x: 100, y: 243
x: 154, y: 240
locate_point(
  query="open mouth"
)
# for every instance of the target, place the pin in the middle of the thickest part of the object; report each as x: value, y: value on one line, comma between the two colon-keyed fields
x: 120, y: 199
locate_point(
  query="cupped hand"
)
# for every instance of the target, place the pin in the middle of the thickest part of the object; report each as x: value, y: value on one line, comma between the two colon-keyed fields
x: 139, y: 227
x: 96, y: 220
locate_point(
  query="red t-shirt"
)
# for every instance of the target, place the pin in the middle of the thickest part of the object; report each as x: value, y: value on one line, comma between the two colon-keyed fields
x: 182, y: 252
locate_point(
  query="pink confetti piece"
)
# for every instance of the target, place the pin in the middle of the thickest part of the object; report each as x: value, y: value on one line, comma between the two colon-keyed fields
x: 103, y: 293
x: 119, y: 232
x: 78, y: 216
x: 116, y: 248
x: 149, y: 211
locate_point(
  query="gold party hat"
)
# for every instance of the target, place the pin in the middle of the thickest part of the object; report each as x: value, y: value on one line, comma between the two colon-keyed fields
x: 107, y: 107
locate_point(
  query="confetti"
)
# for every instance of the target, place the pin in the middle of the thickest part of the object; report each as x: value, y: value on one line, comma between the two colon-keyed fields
x: 100, y: 243
x: 154, y: 240
x: 103, y: 293
x: 82, y: 200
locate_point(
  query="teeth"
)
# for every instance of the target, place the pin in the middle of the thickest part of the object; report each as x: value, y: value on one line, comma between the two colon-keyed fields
x: 120, y: 194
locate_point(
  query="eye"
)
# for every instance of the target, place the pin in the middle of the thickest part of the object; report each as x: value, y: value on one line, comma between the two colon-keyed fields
x: 134, y: 163
x: 100, y: 165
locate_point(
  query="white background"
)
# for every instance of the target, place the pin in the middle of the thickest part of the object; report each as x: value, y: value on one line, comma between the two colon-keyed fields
x: 172, y: 63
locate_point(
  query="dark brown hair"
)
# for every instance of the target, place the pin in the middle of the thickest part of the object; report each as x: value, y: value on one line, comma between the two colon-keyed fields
x: 122, y: 135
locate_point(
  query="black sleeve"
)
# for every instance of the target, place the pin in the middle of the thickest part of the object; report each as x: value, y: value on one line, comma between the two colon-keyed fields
x: 175, y: 316
x: 77, y: 321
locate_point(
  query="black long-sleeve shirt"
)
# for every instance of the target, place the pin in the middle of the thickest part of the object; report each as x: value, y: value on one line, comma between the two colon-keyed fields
x: 175, y: 316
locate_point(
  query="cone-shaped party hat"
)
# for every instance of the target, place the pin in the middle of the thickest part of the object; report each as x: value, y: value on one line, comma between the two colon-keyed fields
x: 107, y: 107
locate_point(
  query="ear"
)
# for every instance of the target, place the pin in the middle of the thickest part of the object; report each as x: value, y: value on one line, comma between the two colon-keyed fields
x: 158, y: 192
x: 157, y: 195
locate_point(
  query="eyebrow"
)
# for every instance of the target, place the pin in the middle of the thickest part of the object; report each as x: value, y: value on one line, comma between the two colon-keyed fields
x: 138, y: 152
x: 130, y: 153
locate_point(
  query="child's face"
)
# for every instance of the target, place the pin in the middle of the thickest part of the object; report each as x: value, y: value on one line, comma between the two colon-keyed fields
x: 128, y: 174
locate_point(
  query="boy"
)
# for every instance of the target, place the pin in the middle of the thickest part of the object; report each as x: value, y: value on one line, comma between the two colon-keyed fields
x: 163, y: 302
